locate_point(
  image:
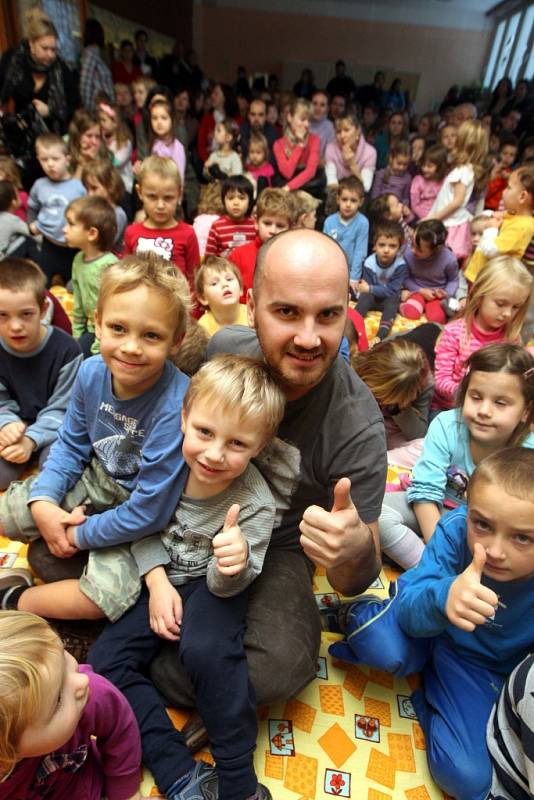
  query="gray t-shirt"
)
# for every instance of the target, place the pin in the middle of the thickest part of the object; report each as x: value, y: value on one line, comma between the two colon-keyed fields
x: 338, y: 430
x: 12, y: 233
x: 185, y: 546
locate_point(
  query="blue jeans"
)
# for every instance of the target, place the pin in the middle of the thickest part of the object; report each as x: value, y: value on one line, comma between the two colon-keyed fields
x: 211, y: 650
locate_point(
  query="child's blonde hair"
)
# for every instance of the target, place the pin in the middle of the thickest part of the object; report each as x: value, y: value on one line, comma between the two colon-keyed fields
x: 215, y: 264
x: 161, y: 166
x: 395, y: 371
x: 239, y: 382
x: 511, y: 468
x: 296, y: 104
x: 501, y: 271
x: 211, y: 201
x: 144, y: 80
x: 259, y: 139
x: 305, y: 203
x: 148, y: 269
x: 27, y: 643
x: 10, y: 171
x: 278, y: 203
x: 472, y: 148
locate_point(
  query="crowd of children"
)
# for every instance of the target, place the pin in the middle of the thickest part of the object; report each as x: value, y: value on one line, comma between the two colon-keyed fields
x: 441, y: 233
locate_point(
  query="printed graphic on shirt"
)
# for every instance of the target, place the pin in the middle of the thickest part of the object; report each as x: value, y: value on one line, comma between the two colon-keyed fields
x: 55, y: 205
x: 457, y: 480
x: 189, y: 550
x: 161, y: 246
x: 120, y: 451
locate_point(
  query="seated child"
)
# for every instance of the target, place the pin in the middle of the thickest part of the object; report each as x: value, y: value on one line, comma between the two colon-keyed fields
x: 453, y: 306
x: 197, y: 574
x: 66, y: 732
x: 160, y: 190
x: 432, y: 273
x: 458, y: 439
x: 273, y: 214
x: 513, y: 235
x: 210, y: 208
x: 102, y: 179
x: 425, y: 187
x: 459, y: 617
x: 91, y: 227
x: 236, y: 227
x: 306, y: 209
x: 119, y: 451
x: 348, y: 227
x: 10, y: 172
x: 218, y: 285
x: 504, y: 163
x: 395, y: 178
x: 224, y: 160
x: 258, y: 166
x: 383, y: 276
x: 389, y: 207
x: 162, y: 134
x: 15, y: 237
x: 494, y: 312
x: 49, y: 197
x: 38, y: 366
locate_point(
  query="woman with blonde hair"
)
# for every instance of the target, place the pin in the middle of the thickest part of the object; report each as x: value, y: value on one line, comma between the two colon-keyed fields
x: 297, y: 152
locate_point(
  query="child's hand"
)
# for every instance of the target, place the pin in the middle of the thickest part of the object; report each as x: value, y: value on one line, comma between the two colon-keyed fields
x: 469, y: 602
x: 48, y: 518
x: 11, y: 433
x: 347, y: 153
x: 230, y: 547
x: 363, y: 287
x: 20, y: 452
x: 33, y: 228
x: 440, y: 294
x: 405, y: 293
x: 406, y: 212
x: 427, y: 294
x: 165, y: 605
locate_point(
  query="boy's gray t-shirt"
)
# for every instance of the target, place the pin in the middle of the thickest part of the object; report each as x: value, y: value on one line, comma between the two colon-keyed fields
x: 337, y: 430
x: 185, y: 546
x: 47, y: 203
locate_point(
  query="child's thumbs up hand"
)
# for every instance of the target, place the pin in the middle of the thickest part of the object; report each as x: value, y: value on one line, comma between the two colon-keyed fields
x: 469, y: 603
x: 331, y: 538
x: 230, y: 547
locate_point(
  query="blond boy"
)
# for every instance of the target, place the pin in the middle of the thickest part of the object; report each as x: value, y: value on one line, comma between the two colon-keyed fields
x: 218, y: 286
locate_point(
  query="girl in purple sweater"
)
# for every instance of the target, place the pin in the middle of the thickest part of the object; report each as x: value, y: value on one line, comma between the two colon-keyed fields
x: 432, y: 273
x: 395, y: 178
x: 64, y: 731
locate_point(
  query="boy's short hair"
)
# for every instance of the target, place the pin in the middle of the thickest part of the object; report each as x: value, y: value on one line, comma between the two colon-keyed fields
x: 512, y: 469
x: 216, y: 264
x: 351, y: 184
x: 507, y: 139
x: 238, y: 183
x: 27, y: 644
x: 192, y: 351
x: 305, y: 203
x: 148, y: 269
x: 95, y: 212
x: 239, y: 382
x: 480, y: 219
x: 103, y: 171
x: 526, y: 178
x: 277, y: 203
x: 161, y: 166
x: 8, y: 195
x: 388, y: 227
x: 51, y: 140
x: 18, y: 274
x: 431, y: 231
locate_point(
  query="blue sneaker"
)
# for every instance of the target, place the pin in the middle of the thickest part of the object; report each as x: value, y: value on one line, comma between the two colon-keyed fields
x: 203, y: 784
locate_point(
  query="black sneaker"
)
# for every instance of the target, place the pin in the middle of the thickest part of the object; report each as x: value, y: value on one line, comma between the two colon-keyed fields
x: 261, y: 793
x: 12, y: 583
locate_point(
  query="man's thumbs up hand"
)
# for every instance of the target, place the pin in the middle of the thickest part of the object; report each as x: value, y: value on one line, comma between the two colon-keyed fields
x: 469, y: 603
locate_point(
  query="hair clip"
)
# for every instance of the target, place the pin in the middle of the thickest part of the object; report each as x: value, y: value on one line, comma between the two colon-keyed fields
x: 529, y: 374
x: 107, y: 110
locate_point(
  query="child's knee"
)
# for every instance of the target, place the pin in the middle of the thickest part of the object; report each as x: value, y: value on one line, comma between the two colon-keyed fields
x: 462, y: 774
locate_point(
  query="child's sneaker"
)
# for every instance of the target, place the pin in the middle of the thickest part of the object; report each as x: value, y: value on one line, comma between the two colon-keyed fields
x: 202, y: 784
x: 13, y: 582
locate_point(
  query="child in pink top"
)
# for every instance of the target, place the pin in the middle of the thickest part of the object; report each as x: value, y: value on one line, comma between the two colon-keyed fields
x: 164, y: 142
x: 495, y: 311
x: 66, y: 732
x: 425, y: 187
x: 297, y: 153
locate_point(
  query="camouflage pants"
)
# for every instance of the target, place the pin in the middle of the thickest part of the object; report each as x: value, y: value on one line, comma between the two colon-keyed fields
x: 111, y: 578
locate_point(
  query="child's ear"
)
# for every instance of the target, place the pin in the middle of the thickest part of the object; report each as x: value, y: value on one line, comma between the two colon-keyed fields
x: 139, y: 190
x: 93, y: 234
x: 177, y: 344
x: 202, y: 300
x: 43, y: 309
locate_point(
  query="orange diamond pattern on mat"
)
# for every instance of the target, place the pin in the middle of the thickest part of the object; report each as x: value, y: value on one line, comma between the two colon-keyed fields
x: 337, y: 745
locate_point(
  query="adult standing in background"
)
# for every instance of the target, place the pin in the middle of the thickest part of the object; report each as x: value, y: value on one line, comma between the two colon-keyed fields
x: 95, y: 75
x: 256, y: 122
x: 341, y: 83
x: 142, y: 58
x: 124, y: 70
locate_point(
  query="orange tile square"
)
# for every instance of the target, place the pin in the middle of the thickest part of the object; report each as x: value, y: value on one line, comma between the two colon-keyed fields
x: 373, y: 794
x: 418, y: 736
x: 337, y: 745
x: 301, y: 714
x: 332, y: 700
x: 381, y: 768
x: 355, y: 682
x: 378, y: 709
x: 400, y: 747
x: 419, y: 793
x: 274, y: 766
x: 385, y: 679
x: 301, y: 775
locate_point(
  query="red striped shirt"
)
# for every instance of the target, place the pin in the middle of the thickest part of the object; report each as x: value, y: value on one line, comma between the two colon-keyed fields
x: 226, y: 234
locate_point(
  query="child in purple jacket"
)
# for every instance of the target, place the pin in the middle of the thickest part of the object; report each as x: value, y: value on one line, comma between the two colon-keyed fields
x: 432, y: 273
x: 65, y: 732
x: 395, y: 178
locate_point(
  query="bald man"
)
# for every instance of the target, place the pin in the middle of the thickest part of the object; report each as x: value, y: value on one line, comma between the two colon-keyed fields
x: 333, y: 432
